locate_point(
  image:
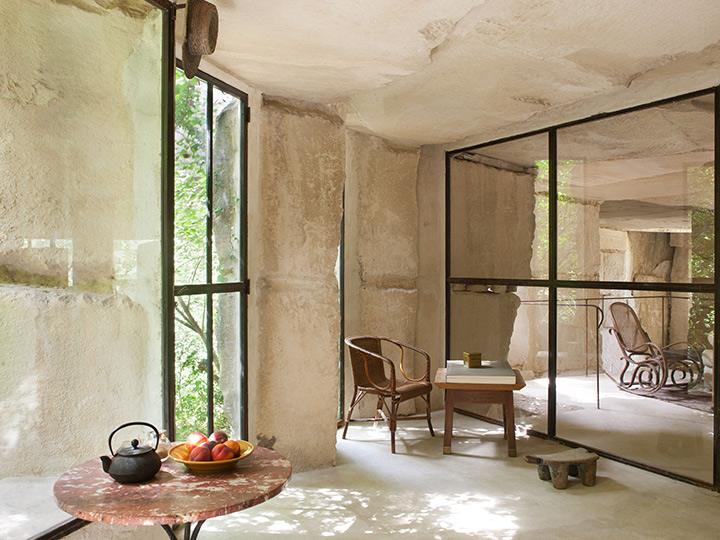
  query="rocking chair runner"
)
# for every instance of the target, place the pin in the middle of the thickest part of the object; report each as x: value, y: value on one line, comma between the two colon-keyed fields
x: 652, y: 364
x: 376, y: 374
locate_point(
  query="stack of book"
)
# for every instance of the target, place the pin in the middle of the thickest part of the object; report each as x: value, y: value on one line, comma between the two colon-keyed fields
x: 498, y: 372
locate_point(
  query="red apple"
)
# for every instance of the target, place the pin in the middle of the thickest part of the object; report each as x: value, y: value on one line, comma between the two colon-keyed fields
x: 218, y: 437
x: 201, y: 453
x: 222, y: 452
x: 194, y: 440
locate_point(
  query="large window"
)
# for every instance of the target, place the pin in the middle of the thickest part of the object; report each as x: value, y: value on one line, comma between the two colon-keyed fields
x: 548, y: 231
x: 209, y: 257
x: 80, y: 272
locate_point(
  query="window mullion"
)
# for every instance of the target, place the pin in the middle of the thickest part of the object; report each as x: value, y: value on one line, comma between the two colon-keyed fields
x: 209, y: 258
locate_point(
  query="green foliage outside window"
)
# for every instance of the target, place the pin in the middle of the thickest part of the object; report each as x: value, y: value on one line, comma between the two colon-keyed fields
x: 191, y: 209
x: 568, y: 216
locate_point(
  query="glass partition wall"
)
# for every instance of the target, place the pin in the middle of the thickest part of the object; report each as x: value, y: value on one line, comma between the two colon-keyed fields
x: 561, y: 242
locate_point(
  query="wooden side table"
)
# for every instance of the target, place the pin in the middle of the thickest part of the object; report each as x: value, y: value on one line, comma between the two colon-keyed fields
x: 480, y: 393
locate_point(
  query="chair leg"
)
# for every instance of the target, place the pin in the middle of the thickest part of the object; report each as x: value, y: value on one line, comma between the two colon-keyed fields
x: 393, y: 424
x: 353, y: 402
x: 427, y: 404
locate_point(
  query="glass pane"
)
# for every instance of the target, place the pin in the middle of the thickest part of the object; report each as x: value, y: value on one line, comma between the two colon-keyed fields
x: 226, y: 367
x: 505, y: 323
x: 80, y: 274
x: 635, y: 196
x: 660, y: 416
x: 190, y: 180
x: 191, y: 409
x: 227, y: 157
x: 499, y: 210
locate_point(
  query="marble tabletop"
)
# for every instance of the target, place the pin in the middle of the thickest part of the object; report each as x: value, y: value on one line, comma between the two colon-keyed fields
x: 175, y: 495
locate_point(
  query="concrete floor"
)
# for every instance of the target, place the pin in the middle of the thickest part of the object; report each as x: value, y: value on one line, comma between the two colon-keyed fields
x: 478, y: 492
x: 665, y: 435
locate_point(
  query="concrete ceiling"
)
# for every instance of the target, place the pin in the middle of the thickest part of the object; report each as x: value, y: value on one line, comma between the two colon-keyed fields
x: 461, y: 71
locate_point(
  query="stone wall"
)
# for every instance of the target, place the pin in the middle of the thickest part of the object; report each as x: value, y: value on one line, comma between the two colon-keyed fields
x: 430, y: 323
x: 492, y: 221
x: 381, y: 246
x: 295, y: 215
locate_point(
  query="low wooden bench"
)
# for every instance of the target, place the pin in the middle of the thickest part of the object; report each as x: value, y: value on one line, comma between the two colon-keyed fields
x: 556, y: 467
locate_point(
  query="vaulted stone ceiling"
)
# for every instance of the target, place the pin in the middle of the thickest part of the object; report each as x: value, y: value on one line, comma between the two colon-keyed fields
x: 460, y: 71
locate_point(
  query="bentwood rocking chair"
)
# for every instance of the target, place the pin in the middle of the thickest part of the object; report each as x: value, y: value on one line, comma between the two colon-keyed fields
x: 651, y: 366
x: 374, y: 373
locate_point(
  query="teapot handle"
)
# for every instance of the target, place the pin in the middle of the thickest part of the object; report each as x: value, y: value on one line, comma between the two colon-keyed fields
x: 157, y: 433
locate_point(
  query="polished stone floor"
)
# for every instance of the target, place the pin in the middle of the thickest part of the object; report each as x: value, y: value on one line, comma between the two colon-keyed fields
x: 478, y: 492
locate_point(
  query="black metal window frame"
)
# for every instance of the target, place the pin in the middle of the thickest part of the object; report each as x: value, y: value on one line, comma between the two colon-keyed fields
x: 172, y: 290
x: 553, y: 284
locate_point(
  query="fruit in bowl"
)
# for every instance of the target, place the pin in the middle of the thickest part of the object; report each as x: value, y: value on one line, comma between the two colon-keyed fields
x: 201, y: 453
x: 222, y: 452
x: 218, y: 437
x: 195, y: 439
x: 234, y: 446
x: 209, y: 456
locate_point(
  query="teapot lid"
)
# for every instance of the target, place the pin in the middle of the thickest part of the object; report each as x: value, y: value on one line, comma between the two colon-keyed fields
x: 135, y: 450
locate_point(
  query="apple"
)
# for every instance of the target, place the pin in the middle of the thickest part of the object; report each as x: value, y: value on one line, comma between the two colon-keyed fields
x: 194, y: 440
x: 218, y: 437
x: 201, y: 453
x: 221, y: 452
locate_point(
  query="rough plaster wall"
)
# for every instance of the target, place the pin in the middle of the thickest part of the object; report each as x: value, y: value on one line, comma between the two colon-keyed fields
x: 482, y: 322
x: 430, y: 324
x: 613, y: 250
x: 78, y: 168
x: 651, y: 256
x: 295, y: 296
x: 493, y: 221
x: 60, y: 351
x: 79, y: 149
x: 381, y: 246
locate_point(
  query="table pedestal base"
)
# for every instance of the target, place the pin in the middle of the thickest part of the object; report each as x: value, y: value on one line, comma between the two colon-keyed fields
x: 190, y: 533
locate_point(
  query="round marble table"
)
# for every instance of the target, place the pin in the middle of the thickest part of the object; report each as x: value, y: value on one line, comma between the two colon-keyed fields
x: 175, y: 495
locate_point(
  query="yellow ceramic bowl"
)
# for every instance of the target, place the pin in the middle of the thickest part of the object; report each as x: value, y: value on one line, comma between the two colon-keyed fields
x: 211, y: 466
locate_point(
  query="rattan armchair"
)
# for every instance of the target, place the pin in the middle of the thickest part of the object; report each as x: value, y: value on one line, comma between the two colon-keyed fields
x: 651, y: 366
x: 374, y: 373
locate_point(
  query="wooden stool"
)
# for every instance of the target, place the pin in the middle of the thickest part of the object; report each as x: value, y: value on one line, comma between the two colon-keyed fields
x: 556, y: 467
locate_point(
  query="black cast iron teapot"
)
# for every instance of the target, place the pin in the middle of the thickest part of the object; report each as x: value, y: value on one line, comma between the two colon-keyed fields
x: 134, y: 463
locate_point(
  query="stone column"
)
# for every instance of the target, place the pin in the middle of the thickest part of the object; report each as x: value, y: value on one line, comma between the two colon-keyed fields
x: 294, y: 227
